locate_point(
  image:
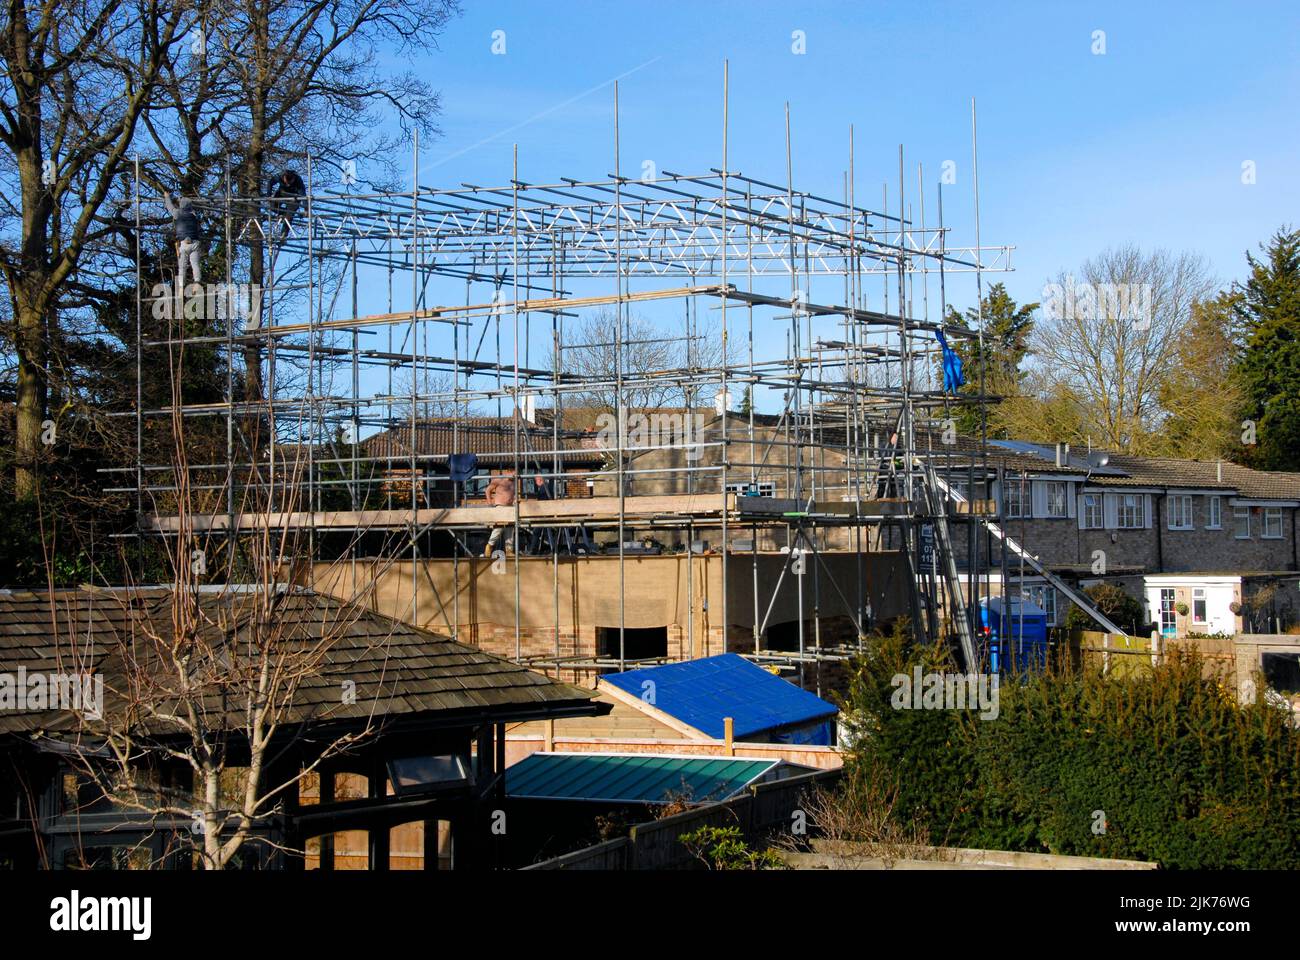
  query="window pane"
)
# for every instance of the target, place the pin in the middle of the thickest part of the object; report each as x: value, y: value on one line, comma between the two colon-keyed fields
x: 1273, y: 522
x: 1015, y: 498
x: 1056, y: 499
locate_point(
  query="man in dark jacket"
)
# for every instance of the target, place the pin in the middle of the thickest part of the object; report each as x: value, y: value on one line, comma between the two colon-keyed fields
x: 288, y: 192
x: 188, y: 237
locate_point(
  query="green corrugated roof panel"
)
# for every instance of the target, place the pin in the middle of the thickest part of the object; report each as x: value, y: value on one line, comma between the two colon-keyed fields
x: 631, y: 778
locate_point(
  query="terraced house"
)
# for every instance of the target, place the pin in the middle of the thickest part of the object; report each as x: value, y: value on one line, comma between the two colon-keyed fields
x: 1209, y: 546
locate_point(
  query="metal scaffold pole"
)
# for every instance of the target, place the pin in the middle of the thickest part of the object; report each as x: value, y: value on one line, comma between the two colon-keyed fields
x: 840, y: 473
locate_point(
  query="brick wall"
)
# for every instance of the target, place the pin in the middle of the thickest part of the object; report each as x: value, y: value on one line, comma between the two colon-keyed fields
x: 1200, y: 549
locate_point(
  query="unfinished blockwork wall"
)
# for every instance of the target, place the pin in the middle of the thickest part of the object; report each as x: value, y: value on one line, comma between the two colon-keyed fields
x: 564, y: 604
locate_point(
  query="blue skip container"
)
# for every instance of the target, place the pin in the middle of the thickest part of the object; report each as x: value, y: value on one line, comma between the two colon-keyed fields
x: 1016, y: 626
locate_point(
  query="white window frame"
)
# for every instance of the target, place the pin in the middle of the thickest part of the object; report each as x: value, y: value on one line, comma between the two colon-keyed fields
x: 1050, y: 489
x: 1182, y: 514
x: 1015, y: 498
x: 1240, y: 513
x: 1137, y: 508
x: 1214, y: 513
x: 1092, y: 512
x: 1199, y: 596
x: 1271, y: 514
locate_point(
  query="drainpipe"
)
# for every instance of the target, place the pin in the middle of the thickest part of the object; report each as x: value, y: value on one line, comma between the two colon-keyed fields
x: 1295, y: 557
x: 1159, y: 524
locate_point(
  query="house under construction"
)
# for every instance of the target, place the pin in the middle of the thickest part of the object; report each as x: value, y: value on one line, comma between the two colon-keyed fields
x: 412, y: 345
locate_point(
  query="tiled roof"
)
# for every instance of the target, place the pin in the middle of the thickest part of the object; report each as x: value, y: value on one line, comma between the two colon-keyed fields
x: 488, y: 437
x: 1168, y: 472
x: 1264, y: 484
x: 1208, y: 474
x: 398, y: 671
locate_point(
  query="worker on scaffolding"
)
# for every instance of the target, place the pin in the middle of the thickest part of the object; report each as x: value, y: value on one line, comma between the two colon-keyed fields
x: 287, y: 194
x: 500, y: 493
x: 891, y: 464
x: 189, y: 238
x: 542, y: 488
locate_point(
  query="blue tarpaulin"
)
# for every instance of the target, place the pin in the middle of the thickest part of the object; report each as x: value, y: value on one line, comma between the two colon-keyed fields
x: 701, y: 693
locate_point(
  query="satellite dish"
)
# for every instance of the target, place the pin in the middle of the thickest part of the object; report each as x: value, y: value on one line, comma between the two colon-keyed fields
x: 1099, y: 459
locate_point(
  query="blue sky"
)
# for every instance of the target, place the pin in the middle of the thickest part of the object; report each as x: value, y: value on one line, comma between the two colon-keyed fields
x: 1078, y: 151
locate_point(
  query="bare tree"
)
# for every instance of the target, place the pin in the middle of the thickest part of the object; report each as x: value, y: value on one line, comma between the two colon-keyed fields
x: 308, y: 83
x: 209, y: 683
x: 78, y: 74
x: 658, y: 368
x: 1109, y: 337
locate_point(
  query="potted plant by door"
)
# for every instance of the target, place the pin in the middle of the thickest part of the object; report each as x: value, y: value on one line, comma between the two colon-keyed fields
x: 1182, y: 608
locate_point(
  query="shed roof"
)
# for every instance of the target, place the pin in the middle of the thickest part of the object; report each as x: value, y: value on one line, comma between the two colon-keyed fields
x: 701, y: 693
x: 631, y: 778
x: 398, y: 671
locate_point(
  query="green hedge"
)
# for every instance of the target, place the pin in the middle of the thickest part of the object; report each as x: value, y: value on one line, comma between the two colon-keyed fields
x: 1181, y: 773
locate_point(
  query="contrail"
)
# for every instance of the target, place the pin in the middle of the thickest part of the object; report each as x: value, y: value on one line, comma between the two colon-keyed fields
x: 546, y: 112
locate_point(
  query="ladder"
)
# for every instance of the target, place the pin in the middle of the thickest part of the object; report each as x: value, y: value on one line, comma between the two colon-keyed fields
x: 935, y: 490
x: 1075, y: 596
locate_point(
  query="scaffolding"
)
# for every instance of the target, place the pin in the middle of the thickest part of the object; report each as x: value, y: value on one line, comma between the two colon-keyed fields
x: 385, y: 312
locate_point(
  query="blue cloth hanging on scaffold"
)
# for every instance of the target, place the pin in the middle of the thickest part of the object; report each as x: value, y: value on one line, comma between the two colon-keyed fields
x: 952, y: 375
x: 462, y: 466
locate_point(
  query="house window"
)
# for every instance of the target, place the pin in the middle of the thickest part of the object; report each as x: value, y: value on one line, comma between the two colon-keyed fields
x: 763, y: 488
x: 1241, y: 522
x: 1093, y: 512
x: 638, y: 643
x: 421, y: 774
x: 1272, y: 523
x: 1198, y: 605
x: 1214, y: 513
x: 1056, y: 492
x: 1132, y: 513
x: 1180, y: 513
x: 1016, y: 498
x: 1044, y: 597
